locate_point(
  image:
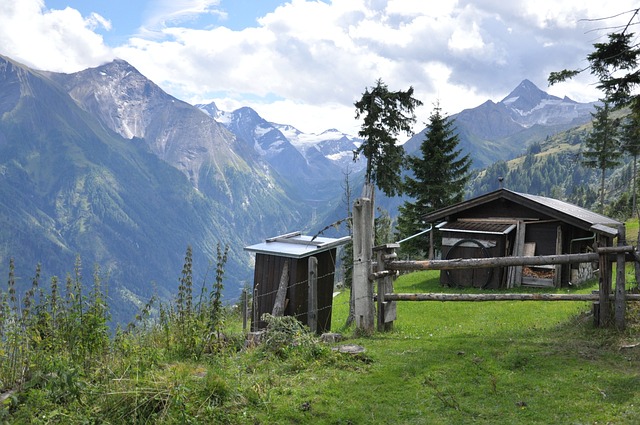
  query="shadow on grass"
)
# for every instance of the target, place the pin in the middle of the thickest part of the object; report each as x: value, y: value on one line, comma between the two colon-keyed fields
x: 500, y: 362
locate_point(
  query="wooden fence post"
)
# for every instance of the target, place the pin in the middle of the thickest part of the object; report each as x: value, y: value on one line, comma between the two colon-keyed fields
x: 620, y: 300
x: 281, y: 296
x: 244, y: 302
x: 362, y: 246
x: 312, y: 313
x: 386, y: 309
x: 605, y: 289
x: 254, y: 309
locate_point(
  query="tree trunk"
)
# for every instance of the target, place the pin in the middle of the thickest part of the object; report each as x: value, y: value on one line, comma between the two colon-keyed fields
x: 602, y: 191
x: 637, y: 263
x: 635, y: 174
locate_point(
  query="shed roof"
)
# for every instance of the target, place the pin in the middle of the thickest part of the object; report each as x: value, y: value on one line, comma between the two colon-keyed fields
x: 560, y: 210
x: 478, y: 227
x: 296, y: 245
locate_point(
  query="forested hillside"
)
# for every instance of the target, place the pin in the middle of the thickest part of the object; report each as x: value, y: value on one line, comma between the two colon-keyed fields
x: 554, y: 168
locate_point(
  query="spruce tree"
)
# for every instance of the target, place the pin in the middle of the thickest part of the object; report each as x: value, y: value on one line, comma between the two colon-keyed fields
x: 602, y: 145
x: 630, y: 141
x: 437, y: 178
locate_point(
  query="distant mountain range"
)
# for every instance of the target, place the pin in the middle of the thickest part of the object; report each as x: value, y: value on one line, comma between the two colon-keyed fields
x: 501, y: 131
x: 314, y: 162
x: 104, y: 164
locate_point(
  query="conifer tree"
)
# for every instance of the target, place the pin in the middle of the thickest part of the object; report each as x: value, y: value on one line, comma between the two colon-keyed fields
x: 616, y: 64
x: 630, y: 142
x: 386, y: 115
x: 437, y: 178
x: 602, y: 146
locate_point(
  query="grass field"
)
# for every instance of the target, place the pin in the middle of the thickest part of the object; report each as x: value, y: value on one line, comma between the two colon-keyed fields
x: 631, y: 229
x: 512, y: 362
x: 484, y: 362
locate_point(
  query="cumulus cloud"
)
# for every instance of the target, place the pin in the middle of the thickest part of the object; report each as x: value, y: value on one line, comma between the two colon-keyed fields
x: 306, y: 62
x: 54, y: 40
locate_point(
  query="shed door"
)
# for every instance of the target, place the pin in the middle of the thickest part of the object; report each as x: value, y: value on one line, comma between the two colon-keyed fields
x: 456, y: 247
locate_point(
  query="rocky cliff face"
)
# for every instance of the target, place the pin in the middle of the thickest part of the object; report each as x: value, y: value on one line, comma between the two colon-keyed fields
x: 215, y: 160
x: 313, y: 162
x: 128, y: 103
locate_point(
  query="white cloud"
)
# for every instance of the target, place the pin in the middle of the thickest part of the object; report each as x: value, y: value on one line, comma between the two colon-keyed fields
x: 95, y: 21
x: 467, y: 40
x: 306, y: 62
x: 55, y: 40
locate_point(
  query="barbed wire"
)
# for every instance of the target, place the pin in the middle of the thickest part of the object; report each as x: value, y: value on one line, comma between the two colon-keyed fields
x: 306, y: 281
x: 293, y: 285
x: 257, y: 298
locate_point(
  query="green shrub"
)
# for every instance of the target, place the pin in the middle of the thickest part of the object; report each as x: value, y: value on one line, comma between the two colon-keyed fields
x: 285, y: 336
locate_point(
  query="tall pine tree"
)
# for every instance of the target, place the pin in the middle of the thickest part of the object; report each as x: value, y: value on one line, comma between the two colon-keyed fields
x: 603, y: 146
x: 630, y: 142
x: 437, y: 178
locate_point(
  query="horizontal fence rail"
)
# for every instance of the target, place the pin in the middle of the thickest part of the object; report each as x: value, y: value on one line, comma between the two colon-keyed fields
x: 499, y: 297
x: 504, y: 261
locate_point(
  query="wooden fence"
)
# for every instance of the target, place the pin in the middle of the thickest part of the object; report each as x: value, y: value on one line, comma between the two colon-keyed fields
x: 387, y: 266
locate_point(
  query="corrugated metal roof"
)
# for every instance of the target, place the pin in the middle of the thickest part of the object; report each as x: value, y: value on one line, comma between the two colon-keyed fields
x: 479, y: 226
x: 572, y: 210
x: 296, y: 245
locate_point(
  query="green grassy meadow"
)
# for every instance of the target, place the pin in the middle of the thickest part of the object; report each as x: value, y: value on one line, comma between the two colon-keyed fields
x: 482, y: 362
x: 507, y: 362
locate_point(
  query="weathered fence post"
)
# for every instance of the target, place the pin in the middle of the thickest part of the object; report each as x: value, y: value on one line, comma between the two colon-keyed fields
x: 386, y: 309
x: 312, y: 313
x: 281, y: 296
x: 244, y: 301
x: 254, y: 309
x: 604, y: 289
x: 362, y: 246
x: 621, y: 302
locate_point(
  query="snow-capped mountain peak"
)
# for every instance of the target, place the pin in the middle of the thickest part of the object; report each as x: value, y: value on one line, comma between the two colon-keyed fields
x: 528, y: 105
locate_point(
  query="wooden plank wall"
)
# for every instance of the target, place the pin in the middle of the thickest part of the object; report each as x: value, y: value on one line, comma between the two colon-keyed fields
x: 268, y: 270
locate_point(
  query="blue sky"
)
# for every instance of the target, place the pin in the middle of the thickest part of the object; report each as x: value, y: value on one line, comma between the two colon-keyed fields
x: 305, y: 62
x: 128, y: 16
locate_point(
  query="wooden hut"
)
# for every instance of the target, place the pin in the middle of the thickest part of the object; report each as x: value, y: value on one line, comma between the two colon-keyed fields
x: 506, y: 223
x: 294, y: 250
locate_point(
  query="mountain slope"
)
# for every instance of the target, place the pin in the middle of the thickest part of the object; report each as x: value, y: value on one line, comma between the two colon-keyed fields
x: 500, y: 131
x: 528, y: 105
x: 257, y: 201
x: 71, y: 184
x: 313, y: 171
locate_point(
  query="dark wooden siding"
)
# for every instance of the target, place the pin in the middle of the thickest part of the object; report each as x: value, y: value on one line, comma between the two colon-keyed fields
x: 268, y: 270
x: 502, y: 208
x: 544, y: 235
x: 266, y: 278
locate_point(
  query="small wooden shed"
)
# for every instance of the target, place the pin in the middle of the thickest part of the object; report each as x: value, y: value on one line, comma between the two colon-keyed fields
x: 294, y: 250
x: 506, y: 223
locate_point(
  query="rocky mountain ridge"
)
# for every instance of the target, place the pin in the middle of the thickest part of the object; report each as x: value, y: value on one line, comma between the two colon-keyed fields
x: 493, y: 131
x: 489, y: 132
x: 127, y: 178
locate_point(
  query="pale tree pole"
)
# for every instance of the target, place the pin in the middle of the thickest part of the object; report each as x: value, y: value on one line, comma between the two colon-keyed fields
x: 386, y: 114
